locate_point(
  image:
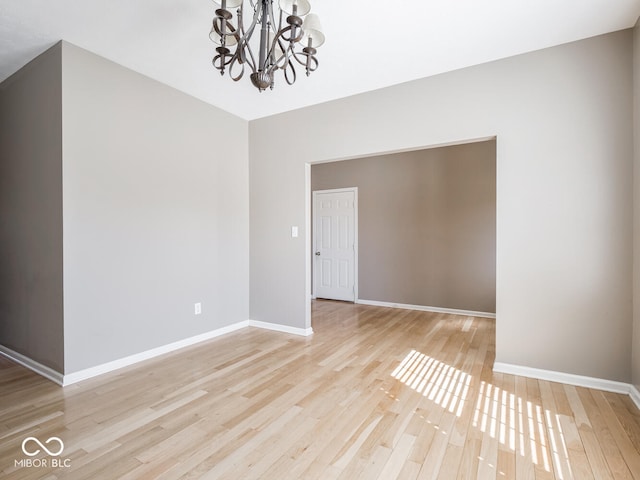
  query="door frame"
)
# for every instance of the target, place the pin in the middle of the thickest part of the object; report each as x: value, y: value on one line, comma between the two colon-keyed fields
x: 355, y: 238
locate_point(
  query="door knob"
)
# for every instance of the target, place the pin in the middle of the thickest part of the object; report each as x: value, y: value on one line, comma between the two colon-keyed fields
x: 317, y: 254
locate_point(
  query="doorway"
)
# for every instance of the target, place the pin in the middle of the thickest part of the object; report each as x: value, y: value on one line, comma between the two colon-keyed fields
x: 335, y: 244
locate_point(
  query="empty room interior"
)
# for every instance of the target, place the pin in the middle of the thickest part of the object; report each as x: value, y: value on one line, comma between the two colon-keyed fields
x: 400, y: 245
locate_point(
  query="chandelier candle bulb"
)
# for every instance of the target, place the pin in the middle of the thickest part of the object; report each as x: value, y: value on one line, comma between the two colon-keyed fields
x: 302, y: 7
x: 225, y: 4
x: 280, y: 45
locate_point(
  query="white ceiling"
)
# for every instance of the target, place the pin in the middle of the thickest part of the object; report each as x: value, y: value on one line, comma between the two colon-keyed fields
x: 370, y: 44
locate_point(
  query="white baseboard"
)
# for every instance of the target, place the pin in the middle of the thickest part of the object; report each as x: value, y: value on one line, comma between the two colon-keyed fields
x: 634, y: 393
x: 32, y: 365
x: 422, y: 308
x: 87, y: 373
x: 305, y: 332
x: 568, y: 378
x: 91, y: 372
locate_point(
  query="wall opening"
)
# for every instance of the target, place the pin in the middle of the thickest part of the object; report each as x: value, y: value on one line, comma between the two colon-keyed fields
x: 427, y: 225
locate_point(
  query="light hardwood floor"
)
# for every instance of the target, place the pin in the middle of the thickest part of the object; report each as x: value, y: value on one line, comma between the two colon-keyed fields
x: 375, y: 393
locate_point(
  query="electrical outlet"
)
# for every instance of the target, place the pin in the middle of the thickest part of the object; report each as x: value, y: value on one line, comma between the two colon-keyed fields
x: 197, y: 308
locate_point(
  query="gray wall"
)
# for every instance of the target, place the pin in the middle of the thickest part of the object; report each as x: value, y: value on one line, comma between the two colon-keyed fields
x: 563, y: 122
x: 636, y: 207
x: 155, y: 213
x: 31, y: 319
x: 426, y: 224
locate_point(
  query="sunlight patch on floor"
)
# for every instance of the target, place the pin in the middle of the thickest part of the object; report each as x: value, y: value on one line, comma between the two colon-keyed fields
x: 522, y: 426
x: 501, y: 414
x: 441, y: 383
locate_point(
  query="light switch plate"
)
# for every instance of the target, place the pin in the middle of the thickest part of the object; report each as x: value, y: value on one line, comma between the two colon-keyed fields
x: 294, y: 232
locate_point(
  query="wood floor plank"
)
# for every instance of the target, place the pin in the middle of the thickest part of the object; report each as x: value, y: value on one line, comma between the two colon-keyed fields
x: 627, y: 414
x: 435, y: 457
x: 506, y: 465
x: 541, y: 453
x: 611, y: 452
x: 375, y: 393
x: 629, y: 451
x: 397, y: 459
x: 524, y: 453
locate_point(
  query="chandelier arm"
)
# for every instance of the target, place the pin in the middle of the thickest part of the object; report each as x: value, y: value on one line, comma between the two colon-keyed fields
x: 289, y: 39
x: 246, y: 53
x: 280, y: 20
x: 281, y: 31
x: 278, y: 62
x: 312, y: 64
x: 219, y: 63
x: 256, y: 18
x: 309, y: 61
x: 231, y: 30
x: 272, y: 17
x: 289, y: 67
x: 233, y: 62
x: 277, y: 41
x: 297, y: 56
x: 288, y: 51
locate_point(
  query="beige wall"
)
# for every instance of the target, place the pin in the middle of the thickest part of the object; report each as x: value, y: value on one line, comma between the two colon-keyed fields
x: 31, y: 317
x: 155, y: 213
x: 426, y: 224
x: 563, y: 122
x: 636, y: 213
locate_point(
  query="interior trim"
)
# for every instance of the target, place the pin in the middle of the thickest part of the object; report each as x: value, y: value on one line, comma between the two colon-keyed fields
x: 75, y: 377
x: 305, y: 332
x: 32, y: 365
x: 422, y: 308
x: 634, y: 393
x: 567, y: 378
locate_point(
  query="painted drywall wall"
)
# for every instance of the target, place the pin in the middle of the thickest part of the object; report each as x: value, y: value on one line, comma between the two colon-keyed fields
x: 636, y: 208
x: 563, y: 122
x: 31, y: 318
x: 155, y: 213
x: 426, y: 224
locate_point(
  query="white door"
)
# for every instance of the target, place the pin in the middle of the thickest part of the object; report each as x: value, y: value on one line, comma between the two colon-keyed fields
x: 335, y: 243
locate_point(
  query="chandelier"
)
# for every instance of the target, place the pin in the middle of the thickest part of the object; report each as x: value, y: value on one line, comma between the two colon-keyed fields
x: 293, y: 41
